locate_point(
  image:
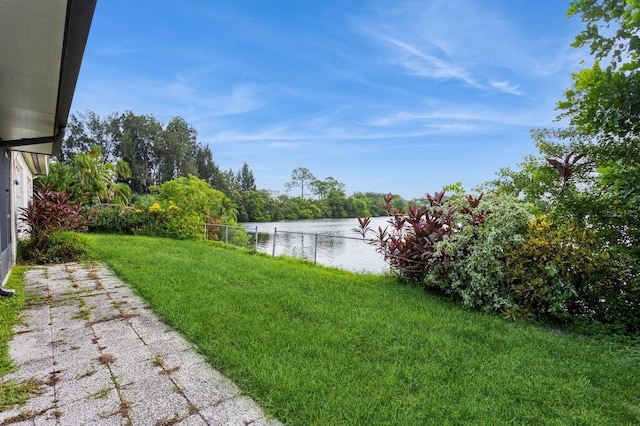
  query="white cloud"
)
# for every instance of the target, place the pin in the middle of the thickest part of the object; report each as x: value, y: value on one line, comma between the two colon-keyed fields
x: 506, y: 87
x: 429, y: 66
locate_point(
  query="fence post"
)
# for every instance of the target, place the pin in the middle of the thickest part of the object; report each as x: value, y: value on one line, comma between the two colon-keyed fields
x: 204, y: 232
x: 226, y: 234
x: 273, y: 251
x: 256, y: 239
x: 315, y: 250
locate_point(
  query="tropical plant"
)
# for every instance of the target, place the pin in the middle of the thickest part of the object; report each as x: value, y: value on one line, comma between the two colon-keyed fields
x: 47, y: 216
x: 408, y: 245
x: 50, y: 211
x: 97, y: 179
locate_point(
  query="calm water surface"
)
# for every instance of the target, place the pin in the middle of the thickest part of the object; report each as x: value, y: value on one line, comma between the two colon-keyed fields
x: 330, y: 242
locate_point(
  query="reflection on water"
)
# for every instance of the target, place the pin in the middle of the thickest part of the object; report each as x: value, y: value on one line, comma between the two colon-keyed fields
x: 330, y: 242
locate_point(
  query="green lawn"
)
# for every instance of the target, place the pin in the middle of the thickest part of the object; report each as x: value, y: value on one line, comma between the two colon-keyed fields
x: 320, y: 346
x: 11, y: 391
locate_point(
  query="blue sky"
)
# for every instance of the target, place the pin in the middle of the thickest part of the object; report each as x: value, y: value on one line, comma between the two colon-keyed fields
x: 383, y: 95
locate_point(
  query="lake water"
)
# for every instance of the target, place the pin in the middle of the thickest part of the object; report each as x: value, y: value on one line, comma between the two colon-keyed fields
x: 330, y: 242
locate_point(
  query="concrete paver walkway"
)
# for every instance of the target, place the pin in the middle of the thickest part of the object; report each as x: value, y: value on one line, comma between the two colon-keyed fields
x: 103, y: 357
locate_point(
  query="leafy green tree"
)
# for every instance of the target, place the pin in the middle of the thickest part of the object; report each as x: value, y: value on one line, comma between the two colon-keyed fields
x: 88, y: 129
x: 137, y: 136
x: 175, y: 151
x: 357, y: 207
x: 338, y: 203
x: 301, y: 177
x: 538, y: 182
x: 604, y: 101
x: 245, y: 178
x: 191, y: 194
x: 155, y: 153
x: 322, y: 188
x: 255, y: 206
x: 61, y: 177
x: 604, y: 105
x: 587, y: 179
x: 205, y: 165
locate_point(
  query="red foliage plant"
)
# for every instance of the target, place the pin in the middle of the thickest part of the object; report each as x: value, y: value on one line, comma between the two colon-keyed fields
x: 409, y: 244
x: 51, y: 211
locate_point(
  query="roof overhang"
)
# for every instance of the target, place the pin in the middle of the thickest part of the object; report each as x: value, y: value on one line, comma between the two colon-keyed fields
x: 41, y: 47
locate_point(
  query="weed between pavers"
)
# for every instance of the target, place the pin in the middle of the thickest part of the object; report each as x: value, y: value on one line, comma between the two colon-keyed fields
x: 13, y: 392
x: 53, y: 378
x: 20, y: 417
x: 119, y: 316
x: 106, y: 359
x: 158, y: 361
x: 169, y: 422
x: 87, y: 373
x: 125, y: 408
x: 103, y: 394
x: 83, y: 313
x: 169, y: 371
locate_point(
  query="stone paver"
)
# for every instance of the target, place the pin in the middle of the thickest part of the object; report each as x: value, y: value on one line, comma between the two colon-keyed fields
x: 102, y: 357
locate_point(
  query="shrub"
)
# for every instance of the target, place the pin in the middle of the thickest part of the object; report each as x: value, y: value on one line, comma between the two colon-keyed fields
x: 111, y: 218
x: 47, y: 216
x: 549, y: 269
x: 470, y: 260
x: 51, y: 211
x: 58, y: 247
x: 183, y: 206
x: 611, y: 297
x: 492, y: 254
x: 409, y: 244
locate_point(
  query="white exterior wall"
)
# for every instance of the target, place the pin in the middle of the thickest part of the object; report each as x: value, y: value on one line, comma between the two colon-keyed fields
x: 22, y: 181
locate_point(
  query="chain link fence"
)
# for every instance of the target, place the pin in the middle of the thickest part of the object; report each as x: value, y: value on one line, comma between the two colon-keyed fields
x: 349, y: 253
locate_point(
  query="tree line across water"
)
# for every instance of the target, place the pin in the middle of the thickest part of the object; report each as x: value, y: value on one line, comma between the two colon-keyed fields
x: 141, y: 153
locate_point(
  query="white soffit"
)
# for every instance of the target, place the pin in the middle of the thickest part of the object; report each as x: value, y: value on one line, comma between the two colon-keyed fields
x: 32, y: 35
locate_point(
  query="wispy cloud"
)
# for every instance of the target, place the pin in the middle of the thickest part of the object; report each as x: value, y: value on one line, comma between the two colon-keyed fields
x: 458, y: 119
x: 506, y: 87
x: 240, y: 99
x: 429, y: 66
x: 462, y: 40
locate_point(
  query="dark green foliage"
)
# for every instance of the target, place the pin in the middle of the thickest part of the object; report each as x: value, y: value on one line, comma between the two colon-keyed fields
x: 612, y: 298
x: 58, y: 247
x: 550, y: 270
x: 471, y: 260
x: 156, y: 153
x: 245, y: 179
x: 110, y: 218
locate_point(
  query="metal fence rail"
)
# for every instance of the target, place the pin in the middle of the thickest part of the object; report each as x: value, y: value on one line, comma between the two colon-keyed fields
x: 349, y: 253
